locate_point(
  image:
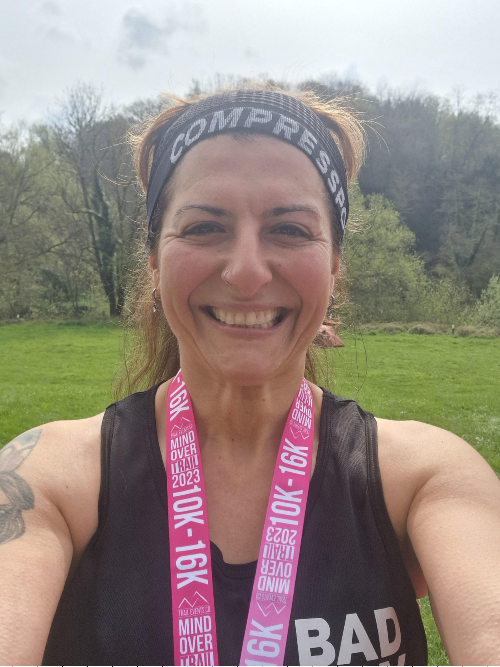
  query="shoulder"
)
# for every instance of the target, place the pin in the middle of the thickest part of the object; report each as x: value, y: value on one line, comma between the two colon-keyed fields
x: 419, y: 451
x: 45, y: 445
x: 60, y: 442
x: 58, y: 465
x: 422, y: 464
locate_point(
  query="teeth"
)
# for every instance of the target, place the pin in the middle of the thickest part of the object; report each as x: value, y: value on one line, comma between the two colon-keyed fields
x: 263, y: 319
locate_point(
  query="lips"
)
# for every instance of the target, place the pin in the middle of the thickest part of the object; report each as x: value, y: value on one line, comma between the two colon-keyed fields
x: 258, y: 319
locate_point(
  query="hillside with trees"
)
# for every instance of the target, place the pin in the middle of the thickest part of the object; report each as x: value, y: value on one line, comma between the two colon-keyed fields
x: 425, y: 239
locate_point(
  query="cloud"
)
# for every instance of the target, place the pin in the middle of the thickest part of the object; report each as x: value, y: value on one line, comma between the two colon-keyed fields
x: 59, y: 35
x: 52, y: 21
x: 249, y: 52
x: 135, y: 61
x: 51, y: 8
x: 141, y: 36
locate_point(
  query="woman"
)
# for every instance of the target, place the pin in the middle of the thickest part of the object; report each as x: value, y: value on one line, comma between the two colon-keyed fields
x: 247, y: 205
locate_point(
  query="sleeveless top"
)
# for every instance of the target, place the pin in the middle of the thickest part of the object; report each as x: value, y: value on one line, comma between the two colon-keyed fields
x: 354, y: 602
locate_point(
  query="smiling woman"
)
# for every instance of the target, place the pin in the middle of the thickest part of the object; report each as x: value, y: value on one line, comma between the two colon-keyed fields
x: 293, y: 526
x: 261, y: 218
x: 155, y: 356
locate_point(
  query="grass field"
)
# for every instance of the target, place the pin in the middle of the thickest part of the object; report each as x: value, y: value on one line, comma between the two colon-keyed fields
x: 57, y: 371
x: 450, y: 382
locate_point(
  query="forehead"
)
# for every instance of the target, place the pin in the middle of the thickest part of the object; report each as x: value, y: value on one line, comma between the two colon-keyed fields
x: 254, y: 162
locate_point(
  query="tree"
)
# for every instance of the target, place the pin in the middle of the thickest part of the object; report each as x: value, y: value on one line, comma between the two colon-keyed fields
x: 439, y: 163
x: 488, y: 309
x: 23, y: 199
x: 78, y: 139
x: 385, y: 274
x: 105, y: 239
x: 71, y: 214
x: 118, y: 181
x: 470, y: 205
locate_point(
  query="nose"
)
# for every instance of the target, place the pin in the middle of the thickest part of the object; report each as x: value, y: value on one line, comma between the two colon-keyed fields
x: 247, y: 267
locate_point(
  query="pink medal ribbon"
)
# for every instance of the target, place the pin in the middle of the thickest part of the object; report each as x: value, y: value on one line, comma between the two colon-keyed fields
x: 193, y: 612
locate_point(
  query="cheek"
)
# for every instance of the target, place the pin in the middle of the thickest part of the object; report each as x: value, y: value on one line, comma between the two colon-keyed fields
x: 181, y: 270
x: 310, y: 275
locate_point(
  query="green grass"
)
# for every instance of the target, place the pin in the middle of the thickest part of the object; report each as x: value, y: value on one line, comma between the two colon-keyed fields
x: 450, y: 382
x: 55, y: 371
x: 63, y: 371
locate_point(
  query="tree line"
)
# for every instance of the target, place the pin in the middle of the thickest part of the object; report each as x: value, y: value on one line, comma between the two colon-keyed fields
x: 427, y: 207
x: 70, y: 209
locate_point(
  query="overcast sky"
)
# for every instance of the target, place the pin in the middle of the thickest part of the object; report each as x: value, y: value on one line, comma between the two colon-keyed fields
x: 137, y: 49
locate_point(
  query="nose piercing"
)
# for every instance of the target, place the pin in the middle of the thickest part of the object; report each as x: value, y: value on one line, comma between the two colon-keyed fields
x: 224, y: 278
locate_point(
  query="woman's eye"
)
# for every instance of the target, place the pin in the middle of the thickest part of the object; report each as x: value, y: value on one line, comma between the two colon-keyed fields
x: 293, y: 231
x: 203, y: 229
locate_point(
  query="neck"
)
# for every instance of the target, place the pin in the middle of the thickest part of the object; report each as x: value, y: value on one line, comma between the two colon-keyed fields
x: 241, y: 422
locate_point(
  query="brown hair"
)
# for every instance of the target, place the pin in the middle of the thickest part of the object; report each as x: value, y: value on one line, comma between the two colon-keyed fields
x: 153, y: 354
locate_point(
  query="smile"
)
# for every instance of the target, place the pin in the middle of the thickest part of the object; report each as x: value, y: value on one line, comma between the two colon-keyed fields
x: 261, y: 319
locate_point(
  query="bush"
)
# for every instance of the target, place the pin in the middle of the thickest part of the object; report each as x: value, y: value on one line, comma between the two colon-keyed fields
x: 466, y: 330
x: 389, y: 327
x: 444, y: 301
x: 424, y: 329
x: 393, y: 327
x: 384, y: 327
x: 478, y: 332
x: 385, y: 273
x: 487, y: 311
x: 429, y: 329
x: 388, y: 281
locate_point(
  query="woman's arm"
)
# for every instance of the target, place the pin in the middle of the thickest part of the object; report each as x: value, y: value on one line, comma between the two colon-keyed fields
x: 454, y: 526
x: 43, y: 475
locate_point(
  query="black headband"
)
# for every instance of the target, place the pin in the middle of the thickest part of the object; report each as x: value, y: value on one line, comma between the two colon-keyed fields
x: 258, y: 112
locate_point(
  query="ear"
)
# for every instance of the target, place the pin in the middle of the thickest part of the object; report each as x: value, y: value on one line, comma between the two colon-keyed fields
x: 154, y: 270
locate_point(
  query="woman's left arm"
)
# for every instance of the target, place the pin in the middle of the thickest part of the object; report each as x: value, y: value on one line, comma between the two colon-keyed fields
x: 454, y: 526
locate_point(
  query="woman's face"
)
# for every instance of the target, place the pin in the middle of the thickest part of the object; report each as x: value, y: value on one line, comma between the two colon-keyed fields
x: 256, y: 210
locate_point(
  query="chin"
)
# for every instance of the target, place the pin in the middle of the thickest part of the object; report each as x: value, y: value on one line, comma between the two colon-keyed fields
x: 249, y: 373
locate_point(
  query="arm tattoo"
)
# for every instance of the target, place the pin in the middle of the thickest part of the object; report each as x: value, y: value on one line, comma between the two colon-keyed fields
x: 19, y: 494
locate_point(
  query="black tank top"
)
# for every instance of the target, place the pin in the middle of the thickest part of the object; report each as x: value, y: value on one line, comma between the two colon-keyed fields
x: 354, y: 602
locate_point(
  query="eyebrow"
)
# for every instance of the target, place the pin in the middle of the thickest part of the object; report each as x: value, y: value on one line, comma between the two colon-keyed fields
x: 283, y: 210
x: 220, y: 212
x: 271, y: 213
